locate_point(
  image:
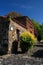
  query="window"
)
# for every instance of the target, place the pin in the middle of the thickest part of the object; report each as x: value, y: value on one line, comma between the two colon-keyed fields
x: 17, y: 31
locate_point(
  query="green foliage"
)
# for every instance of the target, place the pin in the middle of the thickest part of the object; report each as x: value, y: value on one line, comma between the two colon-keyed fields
x: 39, y: 29
x: 27, y: 40
x: 36, y: 25
x: 24, y: 46
x: 41, y: 26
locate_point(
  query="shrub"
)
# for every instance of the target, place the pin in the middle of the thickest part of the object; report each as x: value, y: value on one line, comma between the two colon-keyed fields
x: 27, y: 40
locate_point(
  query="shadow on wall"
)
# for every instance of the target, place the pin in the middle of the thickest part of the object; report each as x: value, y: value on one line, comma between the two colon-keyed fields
x: 4, y: 27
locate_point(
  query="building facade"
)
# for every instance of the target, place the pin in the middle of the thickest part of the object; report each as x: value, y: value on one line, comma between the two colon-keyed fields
x: 10, y: 29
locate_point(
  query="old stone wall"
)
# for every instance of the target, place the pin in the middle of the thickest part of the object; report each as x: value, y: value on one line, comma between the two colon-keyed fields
x: 8, y: 31
x: 12, y: 33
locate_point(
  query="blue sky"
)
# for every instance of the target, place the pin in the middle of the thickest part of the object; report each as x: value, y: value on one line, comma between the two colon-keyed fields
x: 31, y: 8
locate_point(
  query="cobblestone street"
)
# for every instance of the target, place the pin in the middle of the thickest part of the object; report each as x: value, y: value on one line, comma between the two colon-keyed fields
x: 23, y: 60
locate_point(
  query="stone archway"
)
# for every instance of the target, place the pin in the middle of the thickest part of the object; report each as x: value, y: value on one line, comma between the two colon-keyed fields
x: 14, y: 47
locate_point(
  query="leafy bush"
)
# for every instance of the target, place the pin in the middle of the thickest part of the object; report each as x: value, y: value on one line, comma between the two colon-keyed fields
x: 27, y: 40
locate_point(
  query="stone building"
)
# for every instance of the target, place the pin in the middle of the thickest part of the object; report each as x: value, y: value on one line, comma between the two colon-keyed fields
x: 10, y: 29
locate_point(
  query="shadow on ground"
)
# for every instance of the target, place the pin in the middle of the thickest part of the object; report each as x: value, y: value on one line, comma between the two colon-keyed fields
x: 39, y: 45
x: 39, y: 54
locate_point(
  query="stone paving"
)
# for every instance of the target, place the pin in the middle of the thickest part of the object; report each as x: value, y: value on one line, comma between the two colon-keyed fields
x: 22, y: 60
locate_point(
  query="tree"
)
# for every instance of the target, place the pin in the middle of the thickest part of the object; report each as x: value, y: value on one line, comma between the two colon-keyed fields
x: 41, y: 26
x: 38, y: 28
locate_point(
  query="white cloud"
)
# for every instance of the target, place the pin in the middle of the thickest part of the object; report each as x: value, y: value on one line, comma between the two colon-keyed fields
x: 26, y: 7
x: 22, y: 6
